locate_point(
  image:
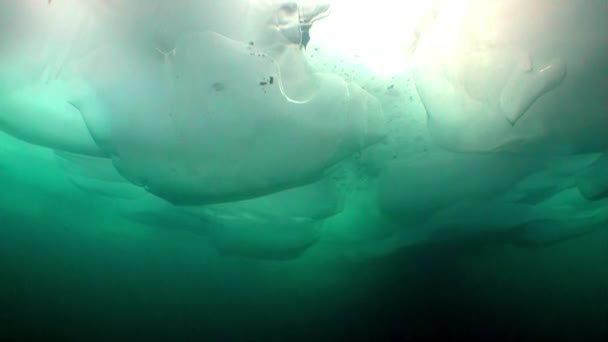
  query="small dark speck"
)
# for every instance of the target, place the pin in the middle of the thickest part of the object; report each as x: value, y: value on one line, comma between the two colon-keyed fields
x: 391, y: 87
x: 263, y: 83
x: 271, y: 80
x: 218, y: 86
x: 251, y: 43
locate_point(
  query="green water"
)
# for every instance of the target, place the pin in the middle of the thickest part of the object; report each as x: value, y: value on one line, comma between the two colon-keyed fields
x: 73, y: 270
x: 315, y: 170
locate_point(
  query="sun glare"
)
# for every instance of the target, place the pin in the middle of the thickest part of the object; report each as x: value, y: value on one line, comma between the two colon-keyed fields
x: 381, y: 34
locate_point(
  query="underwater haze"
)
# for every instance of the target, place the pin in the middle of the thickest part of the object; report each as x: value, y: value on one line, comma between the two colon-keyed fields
x: 307, y: 170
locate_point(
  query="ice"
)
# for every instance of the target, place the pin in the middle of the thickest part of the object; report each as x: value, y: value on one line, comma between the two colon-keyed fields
x: 196, y: 144
x: 276, y: 129
x: 97, y: 176
x: 519, y: 76
x: 410, y: 191
x: 277, y: 239
x: 178, y: 132
x: 593, y: 183
x: 275, y: 226
x: 41, y: 115
x: 526, y: 86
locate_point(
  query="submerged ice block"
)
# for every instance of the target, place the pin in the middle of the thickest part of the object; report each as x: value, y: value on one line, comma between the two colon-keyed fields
x: 196, y: 110
x: 593, y: 183
x: 412, y: 191
x: 215, y: 106
x: 221, y: 120
x: 522, y: 76
x: 41, y: 114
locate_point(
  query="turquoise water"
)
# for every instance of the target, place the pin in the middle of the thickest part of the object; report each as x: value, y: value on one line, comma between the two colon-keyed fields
x: 72, y: 269
x: 284, y: 171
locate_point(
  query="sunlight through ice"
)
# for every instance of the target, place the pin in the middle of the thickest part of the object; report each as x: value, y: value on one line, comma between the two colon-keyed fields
x: 381, y: 34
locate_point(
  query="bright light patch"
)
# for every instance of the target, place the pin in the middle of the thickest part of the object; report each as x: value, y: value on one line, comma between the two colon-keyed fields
x: 381, y: 33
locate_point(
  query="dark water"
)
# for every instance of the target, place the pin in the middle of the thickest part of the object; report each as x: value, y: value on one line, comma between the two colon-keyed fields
x: 69, y: 273
x: 74, y: 268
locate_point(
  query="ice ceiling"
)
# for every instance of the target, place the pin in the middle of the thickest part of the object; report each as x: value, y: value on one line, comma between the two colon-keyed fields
x: 272, y: 126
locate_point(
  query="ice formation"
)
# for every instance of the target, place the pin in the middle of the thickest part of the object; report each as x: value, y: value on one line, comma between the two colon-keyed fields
x: 504, y: 75
x: 273, y: 128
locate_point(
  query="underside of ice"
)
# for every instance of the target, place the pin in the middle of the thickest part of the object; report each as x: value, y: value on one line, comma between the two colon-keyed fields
x: 273, y: 128
x: 504, y: 76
